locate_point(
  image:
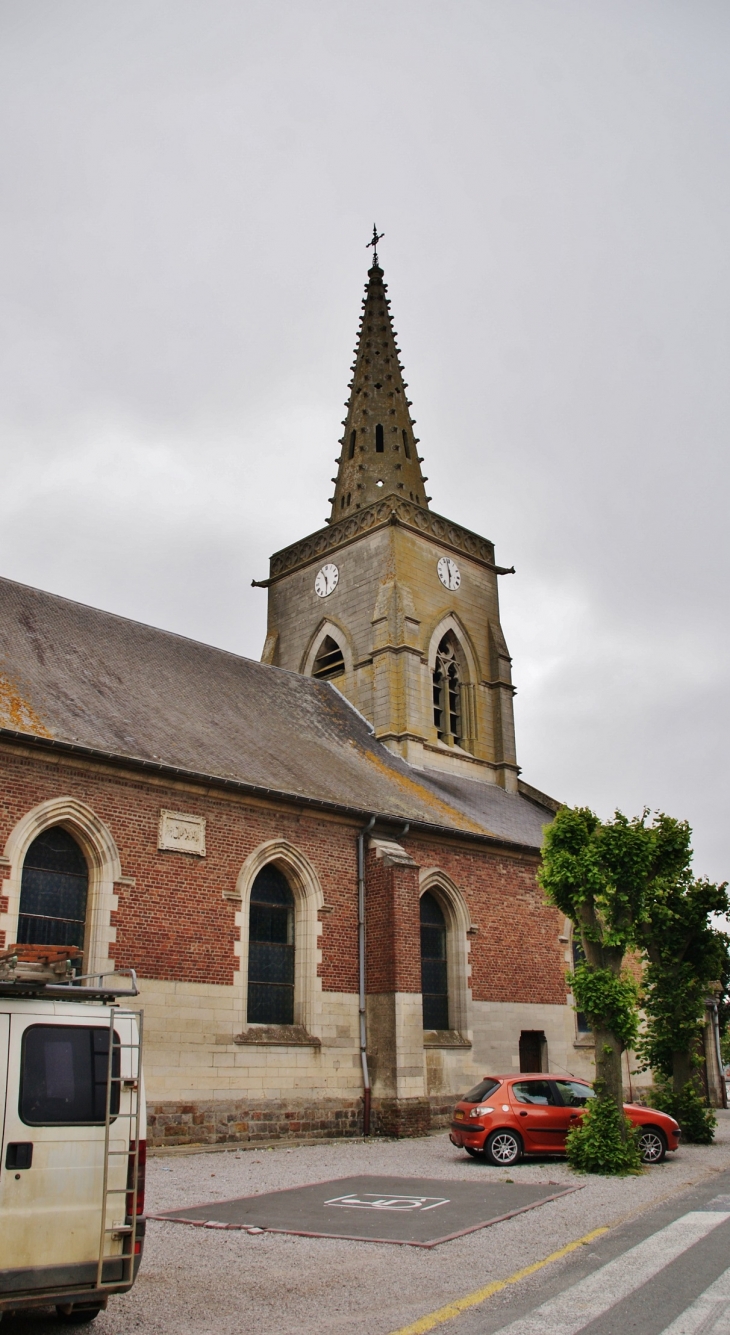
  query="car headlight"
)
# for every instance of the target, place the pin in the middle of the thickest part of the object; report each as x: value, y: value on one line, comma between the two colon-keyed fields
x: 481, y: 1111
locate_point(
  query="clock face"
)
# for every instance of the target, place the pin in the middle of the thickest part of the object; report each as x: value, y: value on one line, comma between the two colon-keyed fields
x: 449, y: 573
x: 326, y: 580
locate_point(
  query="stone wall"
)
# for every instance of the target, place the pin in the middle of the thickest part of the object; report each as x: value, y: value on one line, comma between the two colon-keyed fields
x: 246, y: 1121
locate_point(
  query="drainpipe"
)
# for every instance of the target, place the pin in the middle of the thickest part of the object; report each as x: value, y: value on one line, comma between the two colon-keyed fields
x: 361, y: 964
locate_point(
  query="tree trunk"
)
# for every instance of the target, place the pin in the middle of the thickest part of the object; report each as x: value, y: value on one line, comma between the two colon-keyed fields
x: 681, y: 1070
x: 608, y: 1065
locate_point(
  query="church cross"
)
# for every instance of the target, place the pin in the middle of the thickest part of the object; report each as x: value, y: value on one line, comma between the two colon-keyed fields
x: 374, y: 243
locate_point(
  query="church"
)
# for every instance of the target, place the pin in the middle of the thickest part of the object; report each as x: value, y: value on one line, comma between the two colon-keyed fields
x: 322, y: 866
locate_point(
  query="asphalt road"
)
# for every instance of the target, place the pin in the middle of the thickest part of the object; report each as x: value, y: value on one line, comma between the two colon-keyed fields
x: 199, y: 1281
x: 664, y: 1273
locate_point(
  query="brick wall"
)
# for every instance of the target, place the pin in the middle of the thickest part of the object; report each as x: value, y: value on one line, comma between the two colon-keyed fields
x: 174, y: 923
x: 516, y: 955
x: 393, y: 928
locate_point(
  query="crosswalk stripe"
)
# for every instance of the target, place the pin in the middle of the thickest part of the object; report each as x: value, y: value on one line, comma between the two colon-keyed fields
x: 478, y: 1296
x: 575, y: 1307
x: 709, y: 1315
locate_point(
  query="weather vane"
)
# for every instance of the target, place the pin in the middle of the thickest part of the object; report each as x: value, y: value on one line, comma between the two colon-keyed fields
x: 374, y: 243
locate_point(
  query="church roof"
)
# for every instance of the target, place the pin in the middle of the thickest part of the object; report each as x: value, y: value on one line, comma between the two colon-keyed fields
x: 379, y: 451
x: 77, y: 678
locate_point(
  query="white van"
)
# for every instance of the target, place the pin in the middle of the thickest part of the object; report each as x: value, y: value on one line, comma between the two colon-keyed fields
x: 73, y: 1135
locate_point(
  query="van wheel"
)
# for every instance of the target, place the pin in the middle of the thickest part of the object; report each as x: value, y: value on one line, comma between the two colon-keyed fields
x: 78, y: 1316
x: 652, y: 1144
x: 504, y: 1148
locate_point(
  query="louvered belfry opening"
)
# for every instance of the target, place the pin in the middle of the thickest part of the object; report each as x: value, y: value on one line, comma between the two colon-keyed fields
x: 53, y: 891
x: 329, y: 662
x: 447, y: 692
x: 434, y: 973
x: 271, y: 950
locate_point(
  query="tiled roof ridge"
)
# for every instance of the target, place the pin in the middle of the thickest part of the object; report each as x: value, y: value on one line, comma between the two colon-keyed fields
x: 160, y: 630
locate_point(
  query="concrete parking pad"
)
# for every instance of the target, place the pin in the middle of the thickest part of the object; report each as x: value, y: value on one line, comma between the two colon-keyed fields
x: 410, y: 1211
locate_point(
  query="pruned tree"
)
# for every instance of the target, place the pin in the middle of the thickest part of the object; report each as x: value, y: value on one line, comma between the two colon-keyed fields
x: 602, y: 875
x: 686, y: 954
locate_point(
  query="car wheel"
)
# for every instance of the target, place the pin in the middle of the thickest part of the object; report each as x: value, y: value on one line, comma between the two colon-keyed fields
x: 504, y: 1148
x: 475, y: 1154
x: 77, y: 1316
x: 652, y: 1144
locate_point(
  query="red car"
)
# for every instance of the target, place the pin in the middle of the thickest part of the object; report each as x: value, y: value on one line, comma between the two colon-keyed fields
x: 506, y: 1116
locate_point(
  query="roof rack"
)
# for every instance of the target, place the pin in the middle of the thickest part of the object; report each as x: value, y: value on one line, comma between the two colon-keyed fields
x: 48, y: 971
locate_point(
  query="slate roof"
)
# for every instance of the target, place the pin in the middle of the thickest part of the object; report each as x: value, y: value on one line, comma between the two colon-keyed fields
x: 76, y: 676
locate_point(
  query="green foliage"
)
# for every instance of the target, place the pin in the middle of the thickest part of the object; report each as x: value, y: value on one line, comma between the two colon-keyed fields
x: 604, y: 1141
x: 697, y: 1121
x: 673, y: 1000
x: 600, y: 875
x: 608, y: 1000
x: 627, y: 884
x: 725, y: 1047
x: 686, y: 954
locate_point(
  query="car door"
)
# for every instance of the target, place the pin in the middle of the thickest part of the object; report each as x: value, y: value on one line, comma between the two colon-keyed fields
x: 575, y: 1096
x: 541, y: 1116
x: 51, y: 1176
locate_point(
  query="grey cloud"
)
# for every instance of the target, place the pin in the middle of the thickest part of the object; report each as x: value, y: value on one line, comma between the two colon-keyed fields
x: 188, y: 190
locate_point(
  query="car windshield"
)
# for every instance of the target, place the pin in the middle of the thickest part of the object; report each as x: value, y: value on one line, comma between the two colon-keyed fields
x: 481, y: 1091
x: 574, y: 1093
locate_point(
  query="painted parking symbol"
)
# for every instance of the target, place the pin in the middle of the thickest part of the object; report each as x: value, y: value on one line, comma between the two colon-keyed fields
x: 372, y: 1200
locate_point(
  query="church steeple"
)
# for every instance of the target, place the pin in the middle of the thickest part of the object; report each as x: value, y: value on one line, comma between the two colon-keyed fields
x: 379, y: 450
x: 394, y: 605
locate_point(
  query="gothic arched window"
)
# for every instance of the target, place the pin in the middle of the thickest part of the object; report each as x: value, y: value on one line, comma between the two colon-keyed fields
x: 329, y: 661
x: 53, y: 891
x: 447, y: 692
x: 271, y: 950
x: 434, y: 973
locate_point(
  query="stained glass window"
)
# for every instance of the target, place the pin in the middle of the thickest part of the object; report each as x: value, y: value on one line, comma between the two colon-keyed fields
x: 53, y: 891
x: 434, y: 982
x: 271, y: 950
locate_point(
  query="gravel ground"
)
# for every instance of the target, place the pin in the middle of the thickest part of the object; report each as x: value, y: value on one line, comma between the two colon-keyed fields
x: 199, y: 1282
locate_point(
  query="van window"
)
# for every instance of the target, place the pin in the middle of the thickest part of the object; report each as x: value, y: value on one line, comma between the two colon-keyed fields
x: 63, y: 1075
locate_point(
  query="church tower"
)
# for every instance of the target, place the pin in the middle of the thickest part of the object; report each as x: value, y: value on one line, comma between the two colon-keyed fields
x: 395, y: 605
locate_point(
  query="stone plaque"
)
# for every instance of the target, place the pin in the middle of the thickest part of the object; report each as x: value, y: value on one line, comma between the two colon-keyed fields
x: 181, y: 833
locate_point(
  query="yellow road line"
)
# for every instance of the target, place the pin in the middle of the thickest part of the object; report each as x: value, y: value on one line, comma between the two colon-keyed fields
x: 460, y: 1305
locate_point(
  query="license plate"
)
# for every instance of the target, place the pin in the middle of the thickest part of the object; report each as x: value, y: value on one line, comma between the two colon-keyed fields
x: 458, y: 1116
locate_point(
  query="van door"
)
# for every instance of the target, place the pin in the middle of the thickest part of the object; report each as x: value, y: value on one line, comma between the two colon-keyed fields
x: 52, y: 1171
x: 4, y: 1032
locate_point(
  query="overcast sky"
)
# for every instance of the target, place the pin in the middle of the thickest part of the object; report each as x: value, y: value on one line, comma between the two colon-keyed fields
x: 187, y: 189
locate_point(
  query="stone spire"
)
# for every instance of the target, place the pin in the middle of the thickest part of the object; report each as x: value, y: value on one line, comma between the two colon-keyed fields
x: 379, y: 452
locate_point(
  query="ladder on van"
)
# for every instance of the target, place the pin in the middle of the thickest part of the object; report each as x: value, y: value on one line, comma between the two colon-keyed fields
x: 117, y: 1086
